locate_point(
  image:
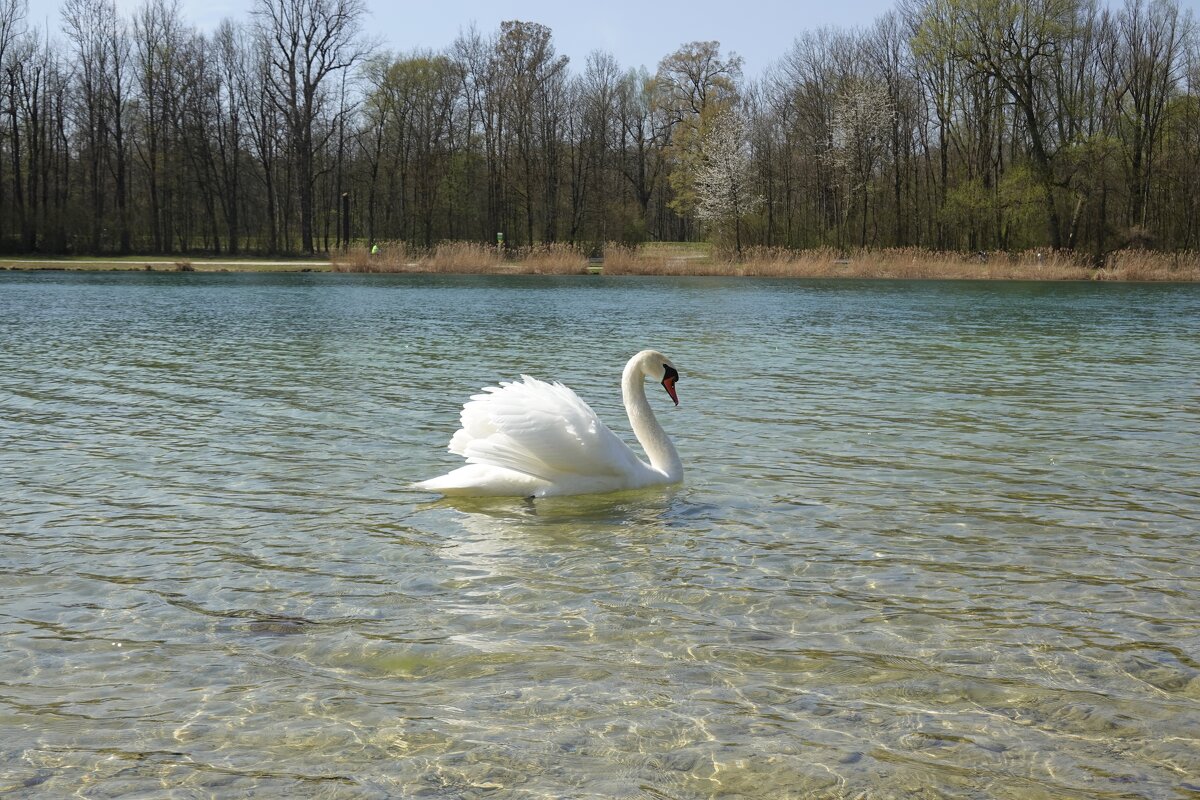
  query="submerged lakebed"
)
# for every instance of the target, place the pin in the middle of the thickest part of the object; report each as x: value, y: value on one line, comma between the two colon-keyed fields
x: 935, y: 539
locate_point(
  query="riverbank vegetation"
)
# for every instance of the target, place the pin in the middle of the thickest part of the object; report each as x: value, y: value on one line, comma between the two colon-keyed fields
x: 674, y: 258
x: 463, y: 257
x: 693, y: 259
x: 1066, y: 127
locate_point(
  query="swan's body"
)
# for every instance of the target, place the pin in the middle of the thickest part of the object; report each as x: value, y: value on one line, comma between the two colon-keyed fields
x: 532, y: 438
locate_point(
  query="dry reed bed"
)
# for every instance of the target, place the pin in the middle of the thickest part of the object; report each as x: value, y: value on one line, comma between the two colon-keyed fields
x: 464, y: 257
x: 914, y: 263
x: 896, y: 263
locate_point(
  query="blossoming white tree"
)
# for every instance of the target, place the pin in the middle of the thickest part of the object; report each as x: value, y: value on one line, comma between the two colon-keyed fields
x: 723, y: 183
x: 862, y: 120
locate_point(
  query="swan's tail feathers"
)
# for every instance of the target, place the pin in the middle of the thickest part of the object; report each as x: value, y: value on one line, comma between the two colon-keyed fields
x: 479, y: 479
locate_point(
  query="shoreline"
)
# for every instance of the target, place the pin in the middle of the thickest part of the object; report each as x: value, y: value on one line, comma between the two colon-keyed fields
x: 1151, y: 268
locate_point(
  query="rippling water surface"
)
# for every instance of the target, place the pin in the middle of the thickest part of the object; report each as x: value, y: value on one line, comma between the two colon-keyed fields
x: 934, y: 540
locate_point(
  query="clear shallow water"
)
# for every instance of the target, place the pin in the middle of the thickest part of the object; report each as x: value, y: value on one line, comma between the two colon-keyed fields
x: 934, y: 540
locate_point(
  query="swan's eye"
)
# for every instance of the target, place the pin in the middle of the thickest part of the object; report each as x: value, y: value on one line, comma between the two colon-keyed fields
x: 670, y: 372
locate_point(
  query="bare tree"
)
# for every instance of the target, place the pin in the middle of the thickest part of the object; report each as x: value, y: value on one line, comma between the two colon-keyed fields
x: 12, y: 24
x: 308, y: 41
x: 12, y: 17
x: 1145, y: 69
x: 230, y: 102
x: 158, y: 32
x: 88, y: 24
x: 644, y: 135
x: 590, y: 132
x: 807, y: 87
x: 117, y: 82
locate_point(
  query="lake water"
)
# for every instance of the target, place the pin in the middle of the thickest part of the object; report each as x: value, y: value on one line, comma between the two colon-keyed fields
x: 934, y: 540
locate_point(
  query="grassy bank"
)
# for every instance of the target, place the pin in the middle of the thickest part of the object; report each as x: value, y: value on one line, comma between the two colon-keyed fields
x: 679, y: 258
x: 153, y: 264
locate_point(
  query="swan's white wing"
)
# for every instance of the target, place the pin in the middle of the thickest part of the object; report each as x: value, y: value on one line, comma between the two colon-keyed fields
x: 540, y: 429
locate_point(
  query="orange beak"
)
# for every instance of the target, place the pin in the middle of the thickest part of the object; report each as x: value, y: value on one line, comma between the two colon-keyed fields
x: 669, y: 384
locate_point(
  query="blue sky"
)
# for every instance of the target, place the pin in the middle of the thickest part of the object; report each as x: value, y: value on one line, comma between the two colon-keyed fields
x: 636, y: 33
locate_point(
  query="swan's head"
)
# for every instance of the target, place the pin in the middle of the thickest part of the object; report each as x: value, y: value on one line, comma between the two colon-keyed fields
x: 658, y: 367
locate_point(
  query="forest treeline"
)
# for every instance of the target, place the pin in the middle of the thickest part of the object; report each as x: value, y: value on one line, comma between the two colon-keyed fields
x: 945, y: 124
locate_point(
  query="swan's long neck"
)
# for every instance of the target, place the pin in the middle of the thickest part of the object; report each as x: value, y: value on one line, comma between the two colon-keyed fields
x: 649, y: 433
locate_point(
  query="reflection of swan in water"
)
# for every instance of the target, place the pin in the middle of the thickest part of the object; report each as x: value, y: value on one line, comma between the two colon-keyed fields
x: 515, y: 563
x: 489, y: 527
x: 554, y: 517
x: 532, y: 438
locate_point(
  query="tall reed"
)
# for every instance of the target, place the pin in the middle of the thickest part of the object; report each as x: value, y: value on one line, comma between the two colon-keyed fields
x: 917, y: 263
x: 552, y: 258
x: 463, y: 257
x: 392, y: 256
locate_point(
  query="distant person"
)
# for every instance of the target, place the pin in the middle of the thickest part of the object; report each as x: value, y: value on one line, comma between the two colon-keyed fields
x: 375, y: 249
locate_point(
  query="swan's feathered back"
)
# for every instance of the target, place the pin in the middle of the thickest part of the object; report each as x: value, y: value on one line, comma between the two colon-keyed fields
x: 540, y: 429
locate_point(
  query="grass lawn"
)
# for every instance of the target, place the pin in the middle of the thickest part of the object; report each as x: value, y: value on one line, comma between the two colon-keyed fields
x: 161, y: 264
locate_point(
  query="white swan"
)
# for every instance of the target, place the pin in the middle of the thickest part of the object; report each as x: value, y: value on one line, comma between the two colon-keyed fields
x: 532, y: 438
